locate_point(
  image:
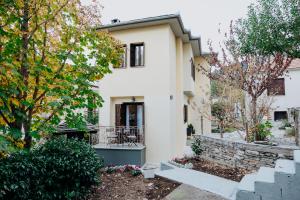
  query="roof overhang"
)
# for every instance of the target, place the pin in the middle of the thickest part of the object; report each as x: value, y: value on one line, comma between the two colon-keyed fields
x: 174, y: 20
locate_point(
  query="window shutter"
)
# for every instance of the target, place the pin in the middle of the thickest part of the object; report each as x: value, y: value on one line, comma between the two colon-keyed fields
x: 185, y: 113
x: 118, y: 114
x: 277, y: 87
x: 132, y: 55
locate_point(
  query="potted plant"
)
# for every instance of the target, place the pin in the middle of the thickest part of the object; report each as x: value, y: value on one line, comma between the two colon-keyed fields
x: 190, y: 130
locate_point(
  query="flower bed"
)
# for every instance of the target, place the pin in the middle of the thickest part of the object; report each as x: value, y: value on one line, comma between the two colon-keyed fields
x: 120, y: 183
x: 199, y: 164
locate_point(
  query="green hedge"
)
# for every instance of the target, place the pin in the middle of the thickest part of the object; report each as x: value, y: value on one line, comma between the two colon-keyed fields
x: 59, y: 169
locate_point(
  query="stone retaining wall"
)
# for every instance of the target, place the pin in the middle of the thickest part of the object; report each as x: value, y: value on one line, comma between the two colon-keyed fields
x: 243, y: 155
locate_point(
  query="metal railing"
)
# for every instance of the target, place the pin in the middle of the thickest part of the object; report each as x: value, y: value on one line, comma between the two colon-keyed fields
x: 121, y: 135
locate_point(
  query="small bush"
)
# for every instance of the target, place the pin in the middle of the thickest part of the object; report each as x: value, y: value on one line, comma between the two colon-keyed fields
x: 263, y: 130
x: 60, y: 169
x: 196, y: 146
x: 215, y: 130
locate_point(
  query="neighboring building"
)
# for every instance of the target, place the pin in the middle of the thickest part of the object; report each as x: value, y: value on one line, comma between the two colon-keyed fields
x: 285, y: 93
x: 159, y: 88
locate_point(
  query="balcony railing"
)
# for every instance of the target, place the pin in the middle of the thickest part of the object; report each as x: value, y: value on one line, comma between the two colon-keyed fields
x: 121, y: 136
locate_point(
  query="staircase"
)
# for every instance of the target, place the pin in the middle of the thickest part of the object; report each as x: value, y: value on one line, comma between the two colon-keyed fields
x: 279, y: 183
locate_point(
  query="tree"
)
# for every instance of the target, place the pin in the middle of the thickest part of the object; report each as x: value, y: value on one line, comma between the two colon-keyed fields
x: 227, y: 105
x: 50, y: 55
x: 219, y: 112
x: 252, y: 73
x: 272, y: 26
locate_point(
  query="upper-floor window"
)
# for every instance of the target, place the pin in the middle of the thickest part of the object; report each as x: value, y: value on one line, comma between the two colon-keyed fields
x: 137, y: 54
x: 277, y: 87
x: 123, y: 58
x: 193, y: 69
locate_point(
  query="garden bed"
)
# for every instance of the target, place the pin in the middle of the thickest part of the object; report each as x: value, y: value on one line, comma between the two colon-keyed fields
x: 199, y: 164
x: 124, y: 185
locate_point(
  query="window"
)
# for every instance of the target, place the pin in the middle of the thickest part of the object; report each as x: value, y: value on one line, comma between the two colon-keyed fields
x: 193, y: 69
x: 123, y: 58
x: 280, y: 115
x: 185, y: 113
x: 137, y: 54
x: 277, y: 87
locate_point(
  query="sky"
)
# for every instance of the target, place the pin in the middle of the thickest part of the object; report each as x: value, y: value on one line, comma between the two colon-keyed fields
x: 203, y: 17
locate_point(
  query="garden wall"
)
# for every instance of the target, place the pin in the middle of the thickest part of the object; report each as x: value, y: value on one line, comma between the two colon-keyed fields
x: 243, y: 155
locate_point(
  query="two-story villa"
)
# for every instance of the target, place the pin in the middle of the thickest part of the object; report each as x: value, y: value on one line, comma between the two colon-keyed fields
x: 158, y: 89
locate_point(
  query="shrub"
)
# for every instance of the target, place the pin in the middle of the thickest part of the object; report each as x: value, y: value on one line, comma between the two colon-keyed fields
x: 60, y: 169
x: 285, y: 123
x: 263, y: 130
x: 196, y: 146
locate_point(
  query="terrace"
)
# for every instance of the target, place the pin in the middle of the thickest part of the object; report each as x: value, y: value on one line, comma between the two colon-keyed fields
x: 121, y: 145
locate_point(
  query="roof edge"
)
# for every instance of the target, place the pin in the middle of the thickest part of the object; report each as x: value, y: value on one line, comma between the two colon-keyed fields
x: 153, y: 19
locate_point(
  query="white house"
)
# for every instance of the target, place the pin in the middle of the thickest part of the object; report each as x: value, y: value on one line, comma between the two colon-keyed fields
x: 159, y: 88
x: 285, y: 92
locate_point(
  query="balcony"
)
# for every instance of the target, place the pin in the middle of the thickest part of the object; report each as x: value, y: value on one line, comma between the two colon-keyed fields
x: 121, y: 145
x: 189, y: 87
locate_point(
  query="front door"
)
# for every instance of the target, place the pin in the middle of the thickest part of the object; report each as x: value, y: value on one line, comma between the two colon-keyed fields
x: 129, y: 114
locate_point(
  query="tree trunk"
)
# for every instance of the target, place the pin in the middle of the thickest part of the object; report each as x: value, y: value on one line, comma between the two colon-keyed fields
x: 254, y: 116
x: 24, y: 71
x: 28, y: 138
x: 222, y: 129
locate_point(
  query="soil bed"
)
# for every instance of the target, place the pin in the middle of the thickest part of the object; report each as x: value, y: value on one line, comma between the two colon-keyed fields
x: 199, y: 164
x: 127, y: 187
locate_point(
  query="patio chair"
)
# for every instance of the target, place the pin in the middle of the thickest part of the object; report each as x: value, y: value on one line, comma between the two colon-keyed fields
x: 112, y: 136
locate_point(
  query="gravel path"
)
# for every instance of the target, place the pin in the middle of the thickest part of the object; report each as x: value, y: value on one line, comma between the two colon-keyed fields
x: 278, y: 136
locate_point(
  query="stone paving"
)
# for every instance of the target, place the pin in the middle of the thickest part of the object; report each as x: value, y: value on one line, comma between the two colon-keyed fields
x: 187, y: 192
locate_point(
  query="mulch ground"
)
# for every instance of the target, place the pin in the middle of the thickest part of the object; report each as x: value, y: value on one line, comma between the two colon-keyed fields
x: 199, y: 164
x: 127, y: 187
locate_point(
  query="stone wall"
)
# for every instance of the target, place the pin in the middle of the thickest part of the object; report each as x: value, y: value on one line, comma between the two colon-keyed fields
x: 243, y: 155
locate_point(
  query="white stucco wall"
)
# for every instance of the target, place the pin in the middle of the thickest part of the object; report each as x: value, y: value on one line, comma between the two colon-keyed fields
x: 292, y: 93
x: 199, y: 105
x: 188, y: 82
x: 152, y: 82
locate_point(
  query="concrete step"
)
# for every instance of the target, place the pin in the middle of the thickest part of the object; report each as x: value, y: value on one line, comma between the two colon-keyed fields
x: 285, y: 166
x: 284, y: 171
x: 266, y: 175
x: 247, y: 183
x: 297, y: 161
x: 245, y: 189
x: 297, y: 156
x: 265, y: 184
